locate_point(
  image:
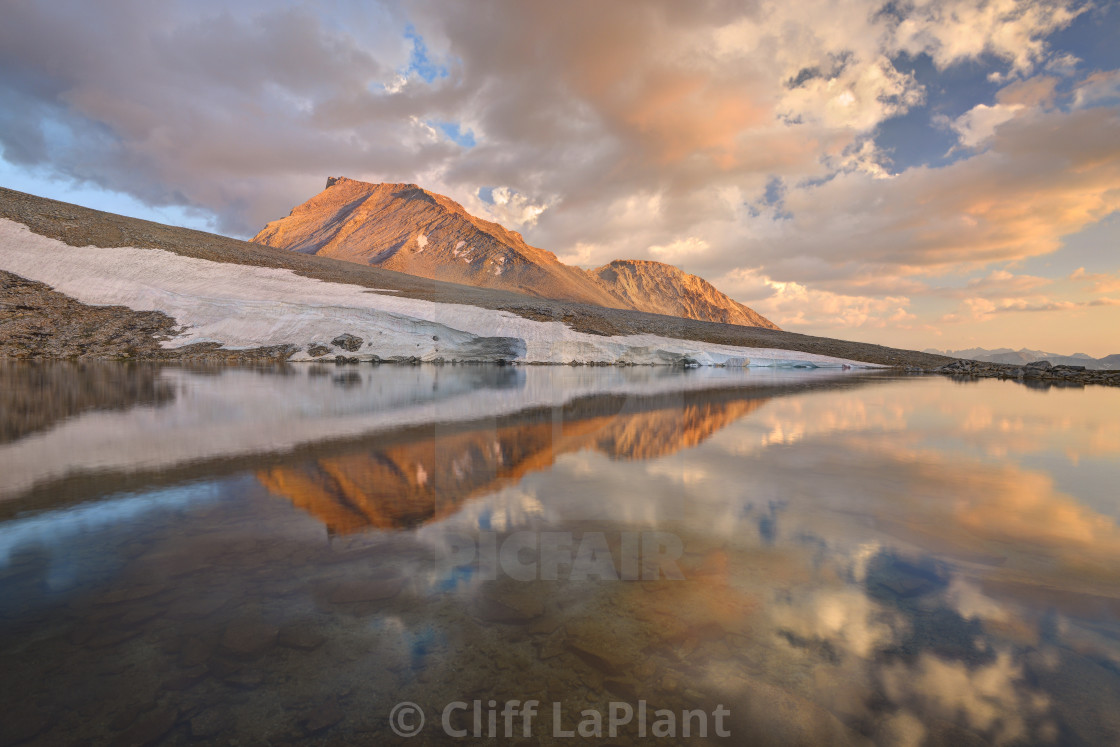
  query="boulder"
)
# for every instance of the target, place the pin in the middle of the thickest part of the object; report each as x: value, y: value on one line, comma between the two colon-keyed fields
x: 351, y: 343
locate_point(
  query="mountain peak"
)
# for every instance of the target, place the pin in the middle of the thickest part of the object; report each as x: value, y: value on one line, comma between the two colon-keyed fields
x: 347, y: 181
x: 660, y: 288
x: 406, y: 228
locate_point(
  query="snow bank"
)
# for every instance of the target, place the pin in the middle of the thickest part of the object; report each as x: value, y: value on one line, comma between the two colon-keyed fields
x: 243, y: 306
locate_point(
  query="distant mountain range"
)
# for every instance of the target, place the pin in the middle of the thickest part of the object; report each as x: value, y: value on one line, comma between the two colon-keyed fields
x: 406, y: 228
x: 1019, y: 357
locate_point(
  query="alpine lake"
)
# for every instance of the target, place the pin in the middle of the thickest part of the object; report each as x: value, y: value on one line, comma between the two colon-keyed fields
x: 392, y: 554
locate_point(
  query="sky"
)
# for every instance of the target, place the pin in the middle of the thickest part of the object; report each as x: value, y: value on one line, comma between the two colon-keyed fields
x: 918, y: 173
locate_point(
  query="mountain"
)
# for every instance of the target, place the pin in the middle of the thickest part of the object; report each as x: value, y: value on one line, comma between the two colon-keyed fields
x: 1020, y: 357
x: 663, y: 289
x: 406, y: 228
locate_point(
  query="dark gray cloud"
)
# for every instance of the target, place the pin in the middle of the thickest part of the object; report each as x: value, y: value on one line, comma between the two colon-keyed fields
x: 211, y: 110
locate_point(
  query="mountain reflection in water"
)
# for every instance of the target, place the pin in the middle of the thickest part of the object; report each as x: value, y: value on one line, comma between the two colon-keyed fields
x: 416, y: 482
x: 209, y: 556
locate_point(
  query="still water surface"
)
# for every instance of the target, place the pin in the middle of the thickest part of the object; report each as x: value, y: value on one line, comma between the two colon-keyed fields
x: 272, y: 557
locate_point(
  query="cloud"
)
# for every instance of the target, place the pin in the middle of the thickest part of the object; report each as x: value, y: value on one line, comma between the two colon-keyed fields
x: 1099, y: 88
x: 1015, y: 200
x: 185, y: 105
x: 982, y: 309
x: 1098, y: 282
x: 679, y: 248
x: 952, y: 31
x: 509, y: 208
x: 796, y: 305
x: 980, y: 122
x: 1031, y: 92
x: 1004, y: 283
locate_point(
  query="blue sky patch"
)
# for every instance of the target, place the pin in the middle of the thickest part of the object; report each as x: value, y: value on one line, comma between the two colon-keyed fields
x: 454, y: 132
x: 420, y: 62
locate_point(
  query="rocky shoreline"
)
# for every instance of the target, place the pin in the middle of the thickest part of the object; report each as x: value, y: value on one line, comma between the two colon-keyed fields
x: 1038, y: 374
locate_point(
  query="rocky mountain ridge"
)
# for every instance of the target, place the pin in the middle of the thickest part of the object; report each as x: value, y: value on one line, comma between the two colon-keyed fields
x: 408, y: 229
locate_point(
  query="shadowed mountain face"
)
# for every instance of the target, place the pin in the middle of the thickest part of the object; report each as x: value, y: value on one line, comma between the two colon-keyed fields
x: 408, y: 229
x: 413, y: 483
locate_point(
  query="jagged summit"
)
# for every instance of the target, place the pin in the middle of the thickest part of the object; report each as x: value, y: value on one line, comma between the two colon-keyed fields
x: 406, y: 228
x: 664, y: 289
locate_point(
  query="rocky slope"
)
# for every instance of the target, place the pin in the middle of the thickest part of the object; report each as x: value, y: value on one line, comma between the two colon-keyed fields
x: 663, y: 289
x: 408, y: 229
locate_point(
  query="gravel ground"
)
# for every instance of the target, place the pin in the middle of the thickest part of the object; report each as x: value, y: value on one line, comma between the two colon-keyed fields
x: 80, y: 226
x: 37, y: 322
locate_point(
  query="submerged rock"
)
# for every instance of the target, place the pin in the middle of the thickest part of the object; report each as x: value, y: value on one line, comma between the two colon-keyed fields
x: 249, y: 638
x: 210, y: 723
x: 20, y: 725
x: 149, y: 729
x: 323, y: 717
x: 302, y: 637
x: 368, y: 590
x: 512, y: 611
